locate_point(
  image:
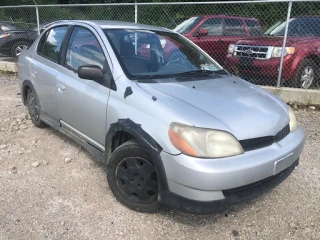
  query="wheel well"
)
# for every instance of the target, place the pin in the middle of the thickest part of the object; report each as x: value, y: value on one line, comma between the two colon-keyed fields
x: 23, y: 40
x: 124, y: 130
x: 25, y: 92
x: 119, y: 138
x: 315, y: 58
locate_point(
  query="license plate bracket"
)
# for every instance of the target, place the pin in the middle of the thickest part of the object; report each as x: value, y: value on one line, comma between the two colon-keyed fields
x: 283, y: 163
x: 245, y: 62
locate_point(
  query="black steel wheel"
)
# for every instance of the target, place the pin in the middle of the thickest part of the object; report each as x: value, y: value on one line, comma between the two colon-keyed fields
x: 34, y: 109
x: 137, y: 180
x: 132, y: 177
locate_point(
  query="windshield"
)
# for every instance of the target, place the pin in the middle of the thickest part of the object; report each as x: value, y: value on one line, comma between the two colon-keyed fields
x: 187, y: 25
x: 301, y: 27
x: 150, y: 54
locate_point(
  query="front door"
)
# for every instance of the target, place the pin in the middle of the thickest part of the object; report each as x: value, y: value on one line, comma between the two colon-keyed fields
x: 221, y: 33
x: 82, y: 104
x: 211, y: 43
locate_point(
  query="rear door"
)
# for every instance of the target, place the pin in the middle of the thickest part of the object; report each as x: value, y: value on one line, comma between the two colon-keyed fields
x: 43, y: 67
x: 82, y: 104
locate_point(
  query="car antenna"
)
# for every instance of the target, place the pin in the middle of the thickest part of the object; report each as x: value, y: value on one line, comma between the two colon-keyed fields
x: 172, y: 20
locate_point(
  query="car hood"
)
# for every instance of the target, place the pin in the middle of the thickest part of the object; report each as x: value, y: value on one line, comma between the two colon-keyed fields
x: 231, y: 104
x: 274, y: 41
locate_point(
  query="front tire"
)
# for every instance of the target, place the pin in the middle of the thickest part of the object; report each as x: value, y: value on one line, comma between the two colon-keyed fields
x: 132, y: 177
x: 307, y: 74
x: 34, y: 109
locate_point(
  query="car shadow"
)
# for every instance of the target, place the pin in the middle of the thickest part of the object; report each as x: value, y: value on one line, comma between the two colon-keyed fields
x: 208, y: 219
x: 170, y: 213
x: 73, y: 143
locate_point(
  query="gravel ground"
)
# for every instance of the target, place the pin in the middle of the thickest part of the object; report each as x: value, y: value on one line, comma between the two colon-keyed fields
x: 52, y: 189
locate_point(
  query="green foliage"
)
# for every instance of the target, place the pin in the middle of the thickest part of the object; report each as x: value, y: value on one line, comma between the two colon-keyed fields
x: 160, y: 15
x: 170, y: 15
x: 26, y: 2
x: 120, y: 13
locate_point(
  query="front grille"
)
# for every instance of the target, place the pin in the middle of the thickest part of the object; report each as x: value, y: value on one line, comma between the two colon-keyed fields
x: 256, y: 143
x: 282, y: 134
x: 257, y: 52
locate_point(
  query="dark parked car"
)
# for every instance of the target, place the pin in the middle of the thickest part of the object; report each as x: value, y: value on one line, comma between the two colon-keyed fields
x: 13, y: 40
x: 214, y: 33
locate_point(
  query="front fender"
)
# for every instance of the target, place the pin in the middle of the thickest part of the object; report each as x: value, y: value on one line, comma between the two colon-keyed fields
x: 128, y: 126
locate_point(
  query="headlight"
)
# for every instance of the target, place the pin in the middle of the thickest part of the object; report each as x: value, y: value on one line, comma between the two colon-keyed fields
x: 231, y: 48
x: 277, y: 51
x: 4, y: 35
x: 293, y: 122
x: 201, y: 142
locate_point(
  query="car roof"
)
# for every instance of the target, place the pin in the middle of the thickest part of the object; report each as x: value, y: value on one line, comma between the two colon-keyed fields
x: 307, y: 16
x: 8, y: 24
x: 228, y: 16
x: 105, y: 24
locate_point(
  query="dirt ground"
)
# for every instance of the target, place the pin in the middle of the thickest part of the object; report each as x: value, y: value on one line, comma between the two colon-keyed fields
x: 52, y: 189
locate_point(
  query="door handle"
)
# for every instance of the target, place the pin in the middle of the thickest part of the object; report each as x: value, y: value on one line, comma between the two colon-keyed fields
x: 60, y: 87
x: 220, y: 41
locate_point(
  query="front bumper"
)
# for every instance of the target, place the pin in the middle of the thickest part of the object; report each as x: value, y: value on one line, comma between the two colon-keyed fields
x: 258, y: 68
x: 208, y: 180
x: 232, y: 196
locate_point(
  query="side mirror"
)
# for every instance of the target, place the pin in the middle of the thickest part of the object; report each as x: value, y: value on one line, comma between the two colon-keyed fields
x: 202, y: 32
x: 90, y: 72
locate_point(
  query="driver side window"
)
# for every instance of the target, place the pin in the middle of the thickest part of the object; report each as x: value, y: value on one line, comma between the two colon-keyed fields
x: 84, y: 49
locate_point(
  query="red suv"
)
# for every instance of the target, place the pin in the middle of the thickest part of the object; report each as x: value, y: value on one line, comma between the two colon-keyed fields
x: 214, y: 33
x: 259, y: 57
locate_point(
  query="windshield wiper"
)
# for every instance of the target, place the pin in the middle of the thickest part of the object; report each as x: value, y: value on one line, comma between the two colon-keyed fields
x: 222, y: 71
x: 198, y: 72
x: 202, y: 72
x: 141, y: 77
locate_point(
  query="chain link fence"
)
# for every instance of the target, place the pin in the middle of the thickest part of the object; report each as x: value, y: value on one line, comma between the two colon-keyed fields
x: 245, y: 37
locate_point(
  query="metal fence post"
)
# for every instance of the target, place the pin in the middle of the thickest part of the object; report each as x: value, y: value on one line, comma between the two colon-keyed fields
x: 284, y: 44
x: 37, y: 13
x: 135, y: 11
x: 136, y: 21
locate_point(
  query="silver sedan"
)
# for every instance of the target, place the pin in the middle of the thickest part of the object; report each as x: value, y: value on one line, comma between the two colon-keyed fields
x: 169, y: 123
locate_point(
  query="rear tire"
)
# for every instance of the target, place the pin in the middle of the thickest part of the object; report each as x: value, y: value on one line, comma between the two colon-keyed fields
x: 307, y: 74
x: 34, y: 109
x: 18, y: 47
x: 132, y: 177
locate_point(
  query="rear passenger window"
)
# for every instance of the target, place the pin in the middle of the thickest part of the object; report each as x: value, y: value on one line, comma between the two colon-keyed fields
x: 213, y: 25
x: 233, y: 27
x: 50, y: 43
x: 254, y: 28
